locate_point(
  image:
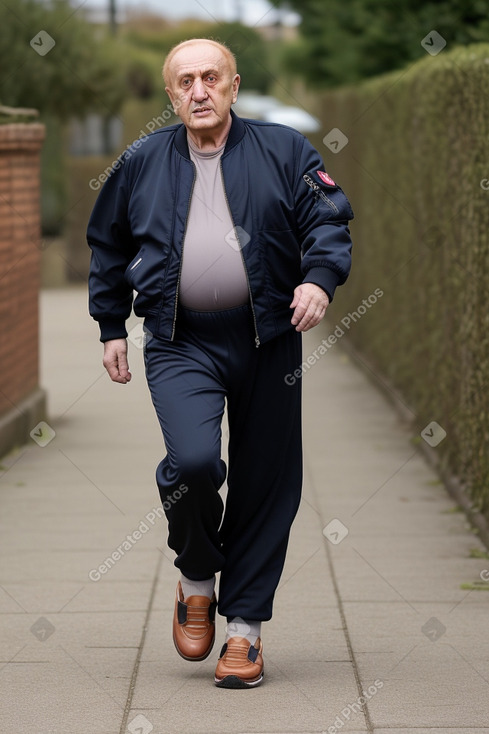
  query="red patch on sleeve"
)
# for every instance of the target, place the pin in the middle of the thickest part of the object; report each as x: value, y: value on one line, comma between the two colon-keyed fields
x: 325, y: 178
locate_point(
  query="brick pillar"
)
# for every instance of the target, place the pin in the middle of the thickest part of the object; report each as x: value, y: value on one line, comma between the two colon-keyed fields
x: 22, y: 402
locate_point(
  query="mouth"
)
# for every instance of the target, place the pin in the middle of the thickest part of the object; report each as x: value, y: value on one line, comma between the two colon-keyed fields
x: 201, y: 110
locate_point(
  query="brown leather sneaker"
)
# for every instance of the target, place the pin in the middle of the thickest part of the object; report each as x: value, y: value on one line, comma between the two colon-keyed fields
x: 193, y: 625
x: 240, y: 664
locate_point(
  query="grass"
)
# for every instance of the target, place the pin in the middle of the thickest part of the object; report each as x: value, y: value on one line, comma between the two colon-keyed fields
x: 478, y: 553
x: 475, y: 586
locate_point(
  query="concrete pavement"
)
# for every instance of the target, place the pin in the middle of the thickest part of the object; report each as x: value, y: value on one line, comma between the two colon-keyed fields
x: 372, y: 631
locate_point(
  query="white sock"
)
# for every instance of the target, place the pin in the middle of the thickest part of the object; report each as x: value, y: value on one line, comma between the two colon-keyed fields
x: 197, y: 588
x: 239, y: 627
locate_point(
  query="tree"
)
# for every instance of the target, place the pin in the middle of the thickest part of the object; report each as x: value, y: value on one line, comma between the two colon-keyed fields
x: 153, y: 34
x: 251, y: 54
x: 342, y: 42
x: 82, y: 72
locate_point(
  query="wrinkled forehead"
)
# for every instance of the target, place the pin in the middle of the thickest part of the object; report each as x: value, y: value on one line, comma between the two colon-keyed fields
x: 198, y: 58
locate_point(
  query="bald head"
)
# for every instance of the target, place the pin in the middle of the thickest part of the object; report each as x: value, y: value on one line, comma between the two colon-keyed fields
x: 177, y: 50
x: 202, y: 83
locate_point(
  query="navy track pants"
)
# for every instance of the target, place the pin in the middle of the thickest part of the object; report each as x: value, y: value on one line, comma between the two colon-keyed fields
x: 213, y: 358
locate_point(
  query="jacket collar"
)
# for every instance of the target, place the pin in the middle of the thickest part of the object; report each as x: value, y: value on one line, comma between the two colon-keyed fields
x: 235, y: 134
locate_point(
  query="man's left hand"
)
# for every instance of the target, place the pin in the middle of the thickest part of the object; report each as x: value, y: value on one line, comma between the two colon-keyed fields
x: 309, y: 304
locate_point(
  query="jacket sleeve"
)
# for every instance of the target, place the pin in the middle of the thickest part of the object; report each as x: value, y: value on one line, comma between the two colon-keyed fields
x: 323, y: 212
x: 110, y: 240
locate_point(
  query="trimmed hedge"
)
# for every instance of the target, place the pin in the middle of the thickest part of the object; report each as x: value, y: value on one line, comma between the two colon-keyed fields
x: 418, y: 151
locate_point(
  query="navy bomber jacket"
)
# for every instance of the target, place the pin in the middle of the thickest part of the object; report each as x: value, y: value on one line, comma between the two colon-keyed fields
x: 291, y: 221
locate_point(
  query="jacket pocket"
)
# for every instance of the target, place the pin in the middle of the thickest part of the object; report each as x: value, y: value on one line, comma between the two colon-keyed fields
x: 128, y: 275
x: 145, y: 275
x: 319, y: 193
x: 325, y: 190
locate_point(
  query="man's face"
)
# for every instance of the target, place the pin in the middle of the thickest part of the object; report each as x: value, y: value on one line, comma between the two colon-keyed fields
x: 202, y: 87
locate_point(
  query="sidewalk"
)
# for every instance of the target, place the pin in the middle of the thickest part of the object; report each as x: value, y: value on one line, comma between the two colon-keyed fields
x: 378, y: 610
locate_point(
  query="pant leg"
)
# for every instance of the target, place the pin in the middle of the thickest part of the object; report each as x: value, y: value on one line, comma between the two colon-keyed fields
x: 189, y: 402
x: 264, y: 479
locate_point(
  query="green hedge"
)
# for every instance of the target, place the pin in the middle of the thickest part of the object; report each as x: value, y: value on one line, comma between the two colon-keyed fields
x: 418, y: 150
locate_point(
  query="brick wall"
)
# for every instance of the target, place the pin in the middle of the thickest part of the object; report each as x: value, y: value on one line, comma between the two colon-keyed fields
x: 20, y: 250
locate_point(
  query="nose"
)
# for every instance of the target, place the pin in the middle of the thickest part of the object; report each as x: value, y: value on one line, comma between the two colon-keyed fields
x: 199, y: 92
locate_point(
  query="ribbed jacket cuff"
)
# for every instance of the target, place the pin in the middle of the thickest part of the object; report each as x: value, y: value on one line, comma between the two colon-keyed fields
x: 112, y: 329
x: 325, y: 278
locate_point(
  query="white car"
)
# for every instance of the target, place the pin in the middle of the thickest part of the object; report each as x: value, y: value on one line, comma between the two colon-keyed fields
x: 270, y: 109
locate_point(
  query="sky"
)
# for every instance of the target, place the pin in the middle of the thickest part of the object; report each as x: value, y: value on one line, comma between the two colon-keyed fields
x: 251, y: 12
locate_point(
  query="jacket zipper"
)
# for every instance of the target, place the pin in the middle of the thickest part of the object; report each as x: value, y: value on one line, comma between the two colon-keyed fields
x: 257, y: 338
x: 181, y: 258
x: 319, y: 192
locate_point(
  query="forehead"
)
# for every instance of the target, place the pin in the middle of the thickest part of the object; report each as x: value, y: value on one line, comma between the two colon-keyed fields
x: 198, y: 57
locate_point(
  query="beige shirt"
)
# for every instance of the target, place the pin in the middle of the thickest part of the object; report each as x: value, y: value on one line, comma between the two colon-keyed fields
x: 213, y: 275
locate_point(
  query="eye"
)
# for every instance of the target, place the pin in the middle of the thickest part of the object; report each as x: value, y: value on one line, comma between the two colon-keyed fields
x: 211, y: 78
x: 186, y: 82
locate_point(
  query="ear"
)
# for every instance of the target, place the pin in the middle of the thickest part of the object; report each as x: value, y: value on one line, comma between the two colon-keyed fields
x: 236, y: 81
x: 173, y: 99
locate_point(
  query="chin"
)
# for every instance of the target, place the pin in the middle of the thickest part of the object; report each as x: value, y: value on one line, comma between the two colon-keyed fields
x: 203, y: 124
x: 203, y: 120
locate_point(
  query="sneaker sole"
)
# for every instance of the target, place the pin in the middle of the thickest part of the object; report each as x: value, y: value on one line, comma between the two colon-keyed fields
x: 233, y: 681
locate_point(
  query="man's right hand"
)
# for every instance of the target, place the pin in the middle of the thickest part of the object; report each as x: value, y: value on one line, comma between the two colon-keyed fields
x: 115, y: 360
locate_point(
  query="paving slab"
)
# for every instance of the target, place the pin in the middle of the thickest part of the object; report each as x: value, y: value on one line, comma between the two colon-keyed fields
x: 450, y: 730
x: 372, y: 632
x: 401, y: 564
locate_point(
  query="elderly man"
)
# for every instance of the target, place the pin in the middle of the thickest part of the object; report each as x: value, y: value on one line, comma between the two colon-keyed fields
x: 234, y: 238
